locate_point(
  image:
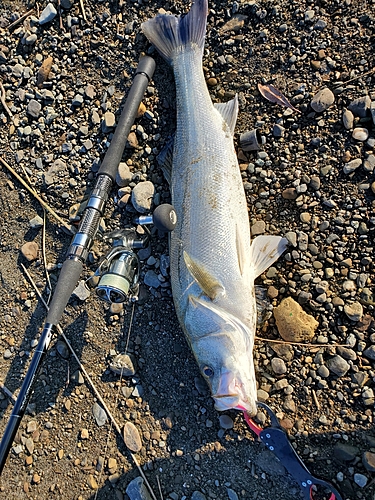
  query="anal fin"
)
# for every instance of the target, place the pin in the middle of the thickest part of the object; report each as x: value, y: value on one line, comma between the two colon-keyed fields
x: 265, y: 250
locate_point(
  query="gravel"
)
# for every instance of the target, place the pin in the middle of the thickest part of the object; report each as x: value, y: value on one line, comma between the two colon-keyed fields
x: 310, y: 178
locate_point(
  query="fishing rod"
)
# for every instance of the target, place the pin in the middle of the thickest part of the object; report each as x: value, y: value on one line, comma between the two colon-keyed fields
x: 80, y: 246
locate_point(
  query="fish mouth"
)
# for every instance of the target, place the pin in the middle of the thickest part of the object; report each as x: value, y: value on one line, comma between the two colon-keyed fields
x: 228, y: 401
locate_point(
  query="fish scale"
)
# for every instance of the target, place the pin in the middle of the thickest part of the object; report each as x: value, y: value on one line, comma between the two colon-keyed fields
x: 213, y: 265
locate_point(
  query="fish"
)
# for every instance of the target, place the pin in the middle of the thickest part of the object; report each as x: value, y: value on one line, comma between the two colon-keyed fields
x: 213, y: 263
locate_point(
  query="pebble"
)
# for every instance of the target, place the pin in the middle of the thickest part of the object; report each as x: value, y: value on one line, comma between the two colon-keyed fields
x: 278, y: 130
x: 151, y: 279
x: 352, y: 165
x: 368, y: 460
x: 47, y: 14
x: 36, y: 222
x: 91, y: 481
x: 232, y: 495
x: 323, y: 371
x: 132, y: 438
x: 197, y: 495
x: 258, y: 227
x: 142, y: 196
x: 345, y: 452
x: 81, y: 291
x: 289, y: 193
x: 62, y: 349
x: 137, y: 490
x: 278, y: 366
x: 360, y: 479
x: 360, y: 106
x: 226, y: 422
x: 293, y: 323
x: 338, y: 365
x: 99, y: 414
x: 30, y: 250
x: 348, y: 119
x: 372, y: 110
x: 360, y: 134
x: 322, y: 100
x: 123, y: 364
x: 123, y: 175
x: 370, y: 352
x: 354, y: 311
x: 109, y: 122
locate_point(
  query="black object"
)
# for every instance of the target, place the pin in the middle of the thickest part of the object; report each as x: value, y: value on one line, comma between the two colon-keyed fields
x: 164, y: 218
x: 80, y: 246
x: 276, y: 440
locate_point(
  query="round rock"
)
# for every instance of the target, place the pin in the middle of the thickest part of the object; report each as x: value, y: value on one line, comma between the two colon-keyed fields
x: 123, y: 176
x: 124, y: 365
x: 368, y: 460
x: 354, y: 311
x: 132, y: 438
x: 322, y: 100
x: 30, y: 250
x: 360, y: 134
x: 142, y: 196
x: 226, y: 422
x: 293, y: 323
x: 278, y: 366
x: 338, y: 365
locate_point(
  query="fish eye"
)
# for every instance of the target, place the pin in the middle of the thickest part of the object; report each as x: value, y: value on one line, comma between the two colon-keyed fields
x: 207, y: 371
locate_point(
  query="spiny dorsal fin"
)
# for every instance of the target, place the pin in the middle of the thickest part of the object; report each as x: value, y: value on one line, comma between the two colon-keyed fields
x: 209, y: 285
x: 265, y: 250
x: 229, y: 111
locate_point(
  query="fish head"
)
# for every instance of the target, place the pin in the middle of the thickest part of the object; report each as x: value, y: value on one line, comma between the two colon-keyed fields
x: 222, y: 346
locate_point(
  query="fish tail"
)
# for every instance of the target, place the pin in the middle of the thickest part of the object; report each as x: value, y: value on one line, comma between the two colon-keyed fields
x: 171, y: 34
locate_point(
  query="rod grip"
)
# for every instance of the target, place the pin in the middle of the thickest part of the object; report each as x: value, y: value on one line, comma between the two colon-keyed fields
x: 144, y: 72
x: 68, y: 278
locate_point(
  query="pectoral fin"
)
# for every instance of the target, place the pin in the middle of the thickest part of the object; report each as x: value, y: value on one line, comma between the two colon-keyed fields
x: 208, y: 283
x: 265, y: 250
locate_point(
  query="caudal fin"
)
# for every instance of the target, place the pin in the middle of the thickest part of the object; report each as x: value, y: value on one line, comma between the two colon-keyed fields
x: 171, y: 34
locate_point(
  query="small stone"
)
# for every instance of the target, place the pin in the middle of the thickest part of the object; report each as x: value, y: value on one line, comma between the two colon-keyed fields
x: 34, y: 108
x: 262, y: 395
x: 289, y: 193
x: 226, y: 422
x: 112, y: 465
x: 132, y: 438
x: 30, y: 250
x: 31, y: 426
x: 258, y: 228
x: 372, y: 110
x: 322, y: 100
x: 123, y: 176
x: 90, y: 91
x: 123, y: 364
x: 278, y: 366
x: 278, y: 130
x: 338, y: 365
x: 141, y: 110
x: 142, y: 196
x: 323, y: 371
x: 305, y: 217
x: 360, y: 134
x: 81, y: 291
x: 92, y: 482
x: 47, y: 14
x: 345, y: 452
x: 136, y: 490
x: 151, y: 279
x: 84, y: 434
x: 36, y: 222
x: 197, y: 495
x: 293, y: 323
x: 368, y: 460
x: 370, y: 352
x: 29, y: 445
x: 77, y: 100
x: 354, y: 311
x: 99, y: 415
x: 360, y: 479
x: 360, y: 106
x: 62, y: 349
x: 351, y: 166
x: 348, y: 119
x: 77, y: 377
x: 109, y: 122
x: 232, y: 495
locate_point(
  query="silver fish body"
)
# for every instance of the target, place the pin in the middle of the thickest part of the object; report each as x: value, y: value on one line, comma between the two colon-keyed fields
x: 213, y: 264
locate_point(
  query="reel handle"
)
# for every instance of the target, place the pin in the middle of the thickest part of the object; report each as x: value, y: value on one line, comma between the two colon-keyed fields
x: 163, y: 218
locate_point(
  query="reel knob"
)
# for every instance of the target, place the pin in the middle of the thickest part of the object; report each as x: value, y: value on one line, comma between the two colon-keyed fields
x: 163, y: 218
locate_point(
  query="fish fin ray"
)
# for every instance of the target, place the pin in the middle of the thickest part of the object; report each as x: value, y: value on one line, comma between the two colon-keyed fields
x: 241, y: 252
x: 165, y: 159
x: 229, y: 112
x: 265, y: 250
x: 170, y: 34
x: 209, y: 285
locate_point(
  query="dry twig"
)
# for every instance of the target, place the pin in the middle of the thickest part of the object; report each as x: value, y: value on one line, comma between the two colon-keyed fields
x: 34, y: 193
x: 89, y: 380
x: 317, y: 404
x: 83, y: 10
x: 2, y: 99
x: 20, y: 19
x: 357, y: 77
x: 319, y: 346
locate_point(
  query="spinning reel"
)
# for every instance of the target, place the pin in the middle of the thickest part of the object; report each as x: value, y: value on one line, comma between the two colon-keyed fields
x: 119, y: 270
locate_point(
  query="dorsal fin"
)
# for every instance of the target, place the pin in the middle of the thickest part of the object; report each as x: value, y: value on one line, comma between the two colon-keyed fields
x: 229, y: 111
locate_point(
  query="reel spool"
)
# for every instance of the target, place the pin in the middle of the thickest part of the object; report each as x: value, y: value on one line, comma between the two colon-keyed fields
x: 119, y: 271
